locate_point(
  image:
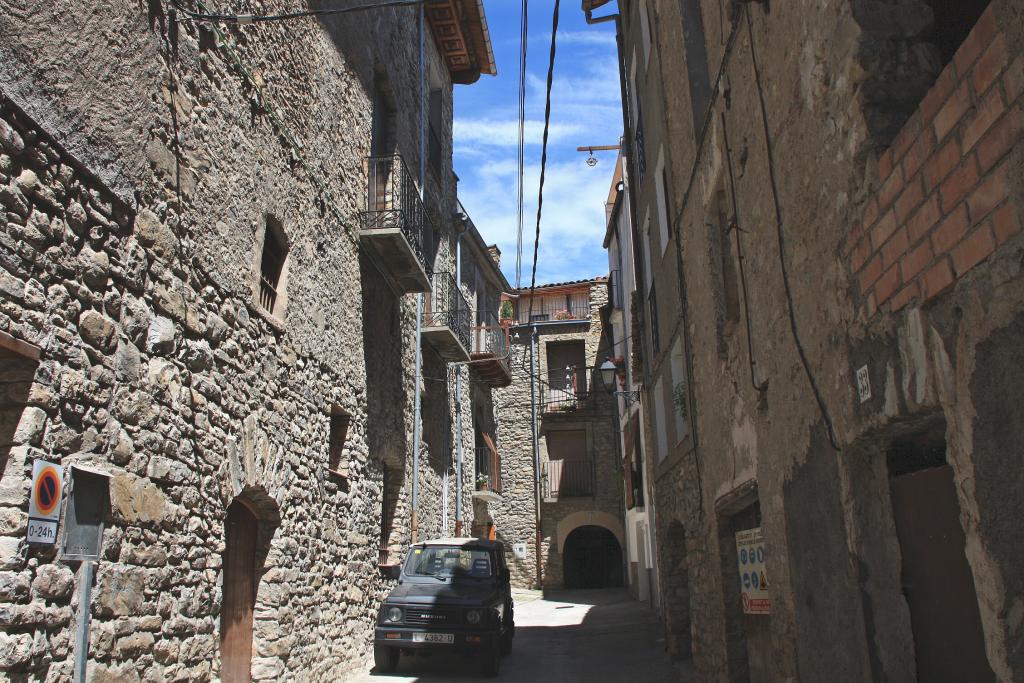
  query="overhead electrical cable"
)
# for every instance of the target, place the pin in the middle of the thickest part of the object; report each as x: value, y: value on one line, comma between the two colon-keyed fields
x: 523, y: 34
x: 543, y: 154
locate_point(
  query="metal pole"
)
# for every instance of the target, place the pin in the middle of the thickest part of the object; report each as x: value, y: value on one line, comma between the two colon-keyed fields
x: 536, y: 448
x: 458, y: 403
x: 419, y: 297
x: 85, y: 575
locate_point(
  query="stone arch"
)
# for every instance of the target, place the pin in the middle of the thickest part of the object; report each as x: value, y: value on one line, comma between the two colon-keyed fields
x: 590, y: 518
x: 676, y: 597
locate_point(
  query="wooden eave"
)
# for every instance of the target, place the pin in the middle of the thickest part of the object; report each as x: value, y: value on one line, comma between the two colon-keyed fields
x: 460, y: 31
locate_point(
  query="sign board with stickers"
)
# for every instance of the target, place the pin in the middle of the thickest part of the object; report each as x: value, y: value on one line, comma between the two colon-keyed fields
x: 44, y: 502
x: 753, y: 575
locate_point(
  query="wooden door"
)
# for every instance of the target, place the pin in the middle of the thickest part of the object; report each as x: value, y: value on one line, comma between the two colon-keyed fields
x: 937, y: 580
x: 239, y: 594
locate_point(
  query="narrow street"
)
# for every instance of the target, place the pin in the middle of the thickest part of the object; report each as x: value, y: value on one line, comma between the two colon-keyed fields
x: 580, y: 635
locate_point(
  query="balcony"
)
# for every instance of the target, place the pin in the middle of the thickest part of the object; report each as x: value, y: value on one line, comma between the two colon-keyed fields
x: 490, y: 353
x: 488, y: 473
x: 564, y: 390
x: 553, y: 309
x: 571, y: 478
x: 446, y: 319
x: 394, y: 225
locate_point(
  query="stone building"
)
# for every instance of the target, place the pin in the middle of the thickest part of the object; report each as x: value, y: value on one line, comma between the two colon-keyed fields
x: 216, y: 242
x: 572, y: 486
x: 626, y: 356
x: 835, y: 198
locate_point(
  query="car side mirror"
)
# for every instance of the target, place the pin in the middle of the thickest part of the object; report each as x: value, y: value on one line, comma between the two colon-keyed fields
x: 393, y: 571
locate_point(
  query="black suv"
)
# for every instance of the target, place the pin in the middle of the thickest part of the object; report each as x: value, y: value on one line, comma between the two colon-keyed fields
x: 453, y: 594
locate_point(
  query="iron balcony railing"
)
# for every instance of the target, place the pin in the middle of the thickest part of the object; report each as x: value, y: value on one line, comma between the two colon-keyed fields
x: 488, y: 469
x: 570, y: 478
x: 615, y: 289
x: 490, y: 336
x: 393, y: 201
x: 564, y: 389
x: 552, y: 309
x: 445, y: 306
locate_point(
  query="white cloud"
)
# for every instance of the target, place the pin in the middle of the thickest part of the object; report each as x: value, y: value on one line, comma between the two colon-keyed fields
x: 572, y: 224
x: 505, y: 133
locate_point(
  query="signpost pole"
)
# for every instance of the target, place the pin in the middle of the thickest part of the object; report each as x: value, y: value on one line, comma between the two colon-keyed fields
x: 85, y: 575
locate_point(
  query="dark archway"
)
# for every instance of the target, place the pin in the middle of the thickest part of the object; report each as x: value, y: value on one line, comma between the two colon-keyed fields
x: 592, y: 558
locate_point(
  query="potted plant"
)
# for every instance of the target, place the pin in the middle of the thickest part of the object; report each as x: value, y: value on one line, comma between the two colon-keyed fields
x: 506, y: 310
x: 563, y: 315
x: 481, y: 482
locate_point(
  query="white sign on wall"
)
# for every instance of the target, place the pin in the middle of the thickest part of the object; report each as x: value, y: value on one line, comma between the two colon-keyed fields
x: 753, y: 576
x: 519, y: 550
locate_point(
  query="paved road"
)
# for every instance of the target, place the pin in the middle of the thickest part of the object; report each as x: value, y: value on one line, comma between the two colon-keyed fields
x: 592, y: 635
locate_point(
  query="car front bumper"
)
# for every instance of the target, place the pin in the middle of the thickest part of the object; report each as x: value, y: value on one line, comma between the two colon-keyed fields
x: 402, y: 637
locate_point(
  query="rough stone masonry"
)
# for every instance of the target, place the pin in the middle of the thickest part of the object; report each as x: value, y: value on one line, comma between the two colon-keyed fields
x: 135, y: 194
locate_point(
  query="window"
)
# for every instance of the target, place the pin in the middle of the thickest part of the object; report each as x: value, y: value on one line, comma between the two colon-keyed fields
x: 680, y: 398
x: 724, y: 270
x: 638, y: 127
x: 652, y: 301
x: 661, y: 193
x: 337, y: 462
x: 696, y: 62
x: 273, y: 269
x: 435, y: 149
x: 658, y: 398
x: 569, y: 467
x: 645, y: 29
x: 382, y: 124
x: 648, y: 266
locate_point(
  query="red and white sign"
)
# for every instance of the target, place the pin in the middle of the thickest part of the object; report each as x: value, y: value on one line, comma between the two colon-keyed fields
x: 44, y: 502
x: 753, y: 575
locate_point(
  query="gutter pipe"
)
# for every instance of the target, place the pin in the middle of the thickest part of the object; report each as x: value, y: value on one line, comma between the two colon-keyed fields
x: 417, y: 418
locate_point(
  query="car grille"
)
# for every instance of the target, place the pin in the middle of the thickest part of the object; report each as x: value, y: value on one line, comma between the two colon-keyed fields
x: 431, y: 617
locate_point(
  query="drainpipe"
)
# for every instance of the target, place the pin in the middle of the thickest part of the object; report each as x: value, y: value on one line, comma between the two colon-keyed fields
x: 536, y: 449
x: 417, y: 419
x: 458, y: 389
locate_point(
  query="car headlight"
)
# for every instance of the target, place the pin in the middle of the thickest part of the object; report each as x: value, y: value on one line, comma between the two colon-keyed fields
x: 473, y: 616
x: 394, y: 614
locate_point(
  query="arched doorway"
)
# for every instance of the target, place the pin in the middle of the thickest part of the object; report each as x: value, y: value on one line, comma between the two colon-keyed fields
x: 592, y: 558
x: 241, y: 529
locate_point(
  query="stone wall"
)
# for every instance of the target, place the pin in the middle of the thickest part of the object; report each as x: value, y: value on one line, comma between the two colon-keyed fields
x: 847, y: 195
x: 136, y: 191
x: 515, y: 517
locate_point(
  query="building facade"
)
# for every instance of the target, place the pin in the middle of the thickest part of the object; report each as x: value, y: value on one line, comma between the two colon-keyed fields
x: 220, y: 244
x: 562, y: 502
x: 626, y: 357
x: 842, y: 200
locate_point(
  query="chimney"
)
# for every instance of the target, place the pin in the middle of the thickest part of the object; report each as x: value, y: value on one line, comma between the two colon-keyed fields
x: 495, y: 254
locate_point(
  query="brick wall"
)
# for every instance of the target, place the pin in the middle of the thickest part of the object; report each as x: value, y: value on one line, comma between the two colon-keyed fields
x: 944, y: 202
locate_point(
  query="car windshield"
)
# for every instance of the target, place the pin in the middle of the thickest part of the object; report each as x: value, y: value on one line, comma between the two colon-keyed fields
x: 448, y: 561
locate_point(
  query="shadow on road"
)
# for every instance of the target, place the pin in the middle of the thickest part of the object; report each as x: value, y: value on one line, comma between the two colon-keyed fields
x: 580, y: 635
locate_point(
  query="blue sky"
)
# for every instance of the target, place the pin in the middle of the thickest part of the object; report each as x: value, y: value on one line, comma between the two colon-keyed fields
x: 584, y: 111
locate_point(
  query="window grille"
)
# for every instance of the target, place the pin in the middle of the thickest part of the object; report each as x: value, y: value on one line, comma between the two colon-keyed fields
x: 338, y: 433
x: 271, y: 267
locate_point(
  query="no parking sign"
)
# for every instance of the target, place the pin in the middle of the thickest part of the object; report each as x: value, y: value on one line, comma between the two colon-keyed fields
x: 44, y: 502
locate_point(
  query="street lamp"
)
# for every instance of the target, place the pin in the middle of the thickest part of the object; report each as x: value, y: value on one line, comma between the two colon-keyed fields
x: 608, y: 370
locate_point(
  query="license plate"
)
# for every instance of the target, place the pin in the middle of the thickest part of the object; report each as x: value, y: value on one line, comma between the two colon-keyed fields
x: 448, y: 638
